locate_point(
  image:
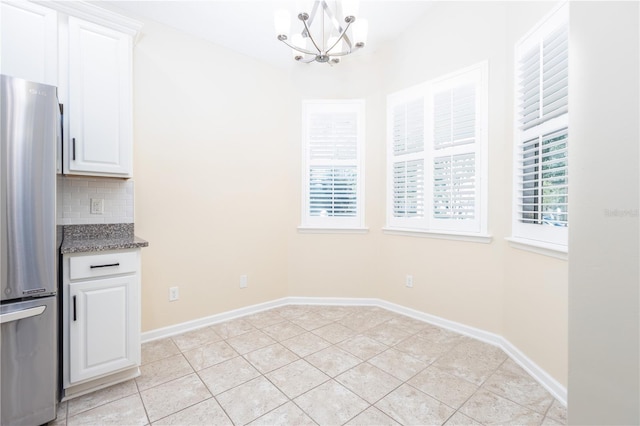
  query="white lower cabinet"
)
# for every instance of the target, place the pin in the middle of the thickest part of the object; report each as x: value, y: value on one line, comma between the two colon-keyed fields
x: 102, y: 335
x: 101, y: 319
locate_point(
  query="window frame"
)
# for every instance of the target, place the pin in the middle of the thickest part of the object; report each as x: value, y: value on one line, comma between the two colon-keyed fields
x: 428, y: 226
x: 333, y: 224
x: 540, y: 238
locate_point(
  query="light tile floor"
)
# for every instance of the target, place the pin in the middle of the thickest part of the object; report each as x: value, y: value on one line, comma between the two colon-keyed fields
x: 325, y: 365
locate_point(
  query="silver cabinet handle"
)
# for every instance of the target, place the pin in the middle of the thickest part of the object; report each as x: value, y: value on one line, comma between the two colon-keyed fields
x: 25, y: 313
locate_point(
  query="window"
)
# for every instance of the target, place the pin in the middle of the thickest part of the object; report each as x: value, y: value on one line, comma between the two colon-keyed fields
x: 541, y: 173
x: 333, y: 159
x: 436, y: 155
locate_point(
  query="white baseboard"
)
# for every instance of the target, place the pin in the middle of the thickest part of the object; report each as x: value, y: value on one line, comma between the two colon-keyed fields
x: 549, y: 383
x: 172, y: 330
x: 541, y: 376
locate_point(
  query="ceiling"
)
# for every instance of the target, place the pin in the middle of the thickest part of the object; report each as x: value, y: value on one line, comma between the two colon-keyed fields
x: 246, y: 26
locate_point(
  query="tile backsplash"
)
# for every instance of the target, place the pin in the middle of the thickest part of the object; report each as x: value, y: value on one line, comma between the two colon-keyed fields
x: 74, y: 200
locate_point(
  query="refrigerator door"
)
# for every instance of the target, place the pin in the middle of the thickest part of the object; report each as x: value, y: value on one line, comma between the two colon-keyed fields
x: 29, y: 362
x: 28, y: 133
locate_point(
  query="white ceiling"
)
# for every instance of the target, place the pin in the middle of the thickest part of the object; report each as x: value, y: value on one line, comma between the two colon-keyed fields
x: 246, y: 26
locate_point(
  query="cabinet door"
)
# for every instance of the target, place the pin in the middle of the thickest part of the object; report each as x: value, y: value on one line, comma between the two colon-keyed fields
x: 100, y: 117
x: 29, y: 42
x: 104, y: 327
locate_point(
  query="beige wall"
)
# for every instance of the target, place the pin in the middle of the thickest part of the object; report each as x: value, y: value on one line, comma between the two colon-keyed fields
x: 217, y: 164
x: 212, y: 191
x: 604, y: 279
x: 339, y: 265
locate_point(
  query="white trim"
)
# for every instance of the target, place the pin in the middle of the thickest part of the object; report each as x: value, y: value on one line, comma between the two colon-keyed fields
x: 441, y: 235
x: 318, y: 230
x: 172, y: 330
x: 542, y: 377
x: 546, y: 381
x: 539, y: 247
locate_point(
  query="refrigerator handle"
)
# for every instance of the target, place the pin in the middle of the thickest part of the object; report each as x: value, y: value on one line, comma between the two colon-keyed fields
x: 74, y: 308
x: 73, y: 149
x: 25, y: 313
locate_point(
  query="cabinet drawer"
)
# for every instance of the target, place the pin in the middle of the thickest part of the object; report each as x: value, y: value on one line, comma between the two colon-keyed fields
x: 99, y: 265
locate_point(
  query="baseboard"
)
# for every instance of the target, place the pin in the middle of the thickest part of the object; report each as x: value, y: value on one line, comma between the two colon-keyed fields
x: 541, y: 376
x: 549, y: 383
x: 172, y: 330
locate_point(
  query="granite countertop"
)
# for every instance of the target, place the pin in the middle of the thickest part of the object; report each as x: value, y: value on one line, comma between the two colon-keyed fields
x: 100, y: 237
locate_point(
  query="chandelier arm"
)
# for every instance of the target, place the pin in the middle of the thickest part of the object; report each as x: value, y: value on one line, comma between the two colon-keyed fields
x: 310, y: 37
x: 314, y: 10
x: 336, y: 23
x: 345, y: 53
x: 331, y: 15
x: 342, y: 35
x: 299, y: 49
x: 306, y: 61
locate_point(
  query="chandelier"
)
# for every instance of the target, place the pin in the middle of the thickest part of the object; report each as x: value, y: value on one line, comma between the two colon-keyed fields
x: 323, y: 37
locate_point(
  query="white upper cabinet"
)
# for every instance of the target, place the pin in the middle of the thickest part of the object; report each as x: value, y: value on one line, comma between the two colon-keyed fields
x: 85, y: 51
x: 29, y: 42
x: 100, y: 136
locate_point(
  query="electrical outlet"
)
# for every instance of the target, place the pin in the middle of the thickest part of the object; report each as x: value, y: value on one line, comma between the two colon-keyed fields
x: 243, y: 281
x: 408, y: 281
x: 174, y: 294
x: 97, y: 206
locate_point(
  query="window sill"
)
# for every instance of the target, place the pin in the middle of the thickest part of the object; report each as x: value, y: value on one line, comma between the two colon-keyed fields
x: 546, y: 249
x: 318, y: 230
x: 456, y: 236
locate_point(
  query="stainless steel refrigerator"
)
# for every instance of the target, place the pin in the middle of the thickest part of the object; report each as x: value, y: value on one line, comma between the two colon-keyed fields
x: 28, y: 253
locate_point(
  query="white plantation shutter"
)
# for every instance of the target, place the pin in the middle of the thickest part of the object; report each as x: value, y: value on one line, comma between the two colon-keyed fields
x: 541, y: 185
x: 333, y: 136
x: 436, y: 139
x: 407, y: 160
x: 333, y: 143
x: 454, y: 117
x: 333, y: 191
x: 543, y: 79
x: 408, y: 127
x: 408, y: 189
x: 457, y: 126
x: 543, y: 193
x: 555, y: 73
x: 454, y: 187
x: 529, y: 76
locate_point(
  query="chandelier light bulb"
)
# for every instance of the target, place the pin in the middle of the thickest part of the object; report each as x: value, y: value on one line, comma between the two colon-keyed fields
x: 298, y: 41
x: 360, y: 30
x: 304, y: 6
x: 350, y: 9
x: 339, y: 47
x: 282, y: 22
